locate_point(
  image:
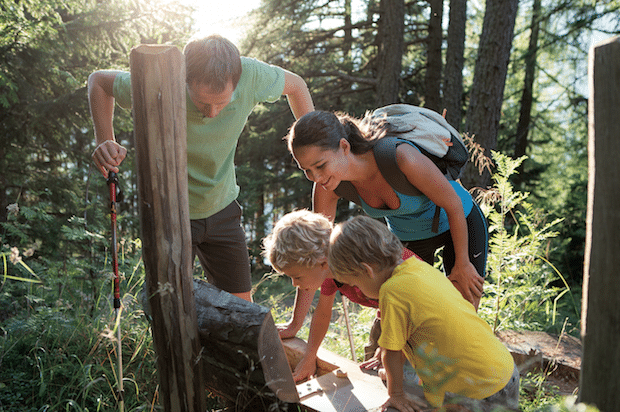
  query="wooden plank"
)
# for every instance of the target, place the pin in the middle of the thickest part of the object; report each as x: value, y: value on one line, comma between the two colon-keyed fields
x: 158, y: 99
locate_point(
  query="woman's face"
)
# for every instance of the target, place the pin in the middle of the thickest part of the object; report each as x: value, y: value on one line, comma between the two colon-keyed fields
x: 325, y: 167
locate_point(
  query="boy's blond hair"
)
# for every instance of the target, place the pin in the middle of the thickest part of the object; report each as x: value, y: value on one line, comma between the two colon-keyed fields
x: 362, y: 240
x: 299, y: 237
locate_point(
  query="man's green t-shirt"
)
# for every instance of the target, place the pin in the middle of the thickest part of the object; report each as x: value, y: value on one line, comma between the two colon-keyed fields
x: 211, y: 142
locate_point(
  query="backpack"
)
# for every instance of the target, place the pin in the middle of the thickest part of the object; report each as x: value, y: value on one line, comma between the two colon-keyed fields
x: 429, y: 132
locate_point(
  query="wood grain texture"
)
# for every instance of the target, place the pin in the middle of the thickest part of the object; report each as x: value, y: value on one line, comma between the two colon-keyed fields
x: 600, y: 371
x: 158, y: 99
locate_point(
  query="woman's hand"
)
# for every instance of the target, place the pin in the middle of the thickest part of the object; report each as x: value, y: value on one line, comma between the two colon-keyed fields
x: 466, y: 280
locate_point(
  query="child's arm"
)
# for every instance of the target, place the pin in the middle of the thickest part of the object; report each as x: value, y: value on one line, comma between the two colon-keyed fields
x: 318, y: 328
x: 303, y: 300
x: 393, y: 361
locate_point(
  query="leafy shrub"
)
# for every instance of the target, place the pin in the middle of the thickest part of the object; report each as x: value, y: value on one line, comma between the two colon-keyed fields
x: 524, y: 290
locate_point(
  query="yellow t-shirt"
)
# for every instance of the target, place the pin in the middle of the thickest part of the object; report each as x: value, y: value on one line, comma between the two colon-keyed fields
x: 451, y: 348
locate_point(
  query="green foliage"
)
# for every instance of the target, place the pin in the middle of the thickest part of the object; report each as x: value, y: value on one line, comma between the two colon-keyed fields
x: 49, y: 48
x: 61, y: 353
x: 526, y: 290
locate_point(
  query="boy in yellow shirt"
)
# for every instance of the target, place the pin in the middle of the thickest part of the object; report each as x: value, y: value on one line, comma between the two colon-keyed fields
x: 424, y: 317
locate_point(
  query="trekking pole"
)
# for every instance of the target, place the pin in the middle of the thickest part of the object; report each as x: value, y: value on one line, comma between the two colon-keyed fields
x: 113, y: 186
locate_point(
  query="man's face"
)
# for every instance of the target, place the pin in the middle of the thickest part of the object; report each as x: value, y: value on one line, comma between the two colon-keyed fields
x: 209, y: 103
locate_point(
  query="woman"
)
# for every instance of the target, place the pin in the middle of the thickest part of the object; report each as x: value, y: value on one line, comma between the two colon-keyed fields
x: 333, y: 148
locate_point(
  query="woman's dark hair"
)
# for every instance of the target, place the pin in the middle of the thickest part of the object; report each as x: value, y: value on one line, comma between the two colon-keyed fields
x: 326, y: 129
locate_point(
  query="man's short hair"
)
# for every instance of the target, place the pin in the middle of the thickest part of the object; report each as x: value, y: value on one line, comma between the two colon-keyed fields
x: 362, y: 240
x: 300, y: 237
x: 212, y: 60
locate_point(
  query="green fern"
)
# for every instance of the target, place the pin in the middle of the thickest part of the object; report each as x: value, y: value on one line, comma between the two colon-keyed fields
x: 522, y: 292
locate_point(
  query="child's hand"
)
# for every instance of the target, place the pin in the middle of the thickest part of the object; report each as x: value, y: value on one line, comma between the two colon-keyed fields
x: 373, y: 363
x: 306, y: 368
x: 403, y: 403
x: 286, y: 331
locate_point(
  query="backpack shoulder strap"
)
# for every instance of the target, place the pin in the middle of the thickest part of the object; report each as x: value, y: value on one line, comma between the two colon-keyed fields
x: 385, y: 156
x: 347, y: 191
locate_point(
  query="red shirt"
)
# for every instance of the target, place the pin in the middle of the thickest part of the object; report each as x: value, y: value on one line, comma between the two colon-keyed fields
x: 330, y: 286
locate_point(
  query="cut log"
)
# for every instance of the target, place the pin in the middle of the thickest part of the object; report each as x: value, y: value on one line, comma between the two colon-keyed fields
x: 243, y: 358
x: 542, y: 351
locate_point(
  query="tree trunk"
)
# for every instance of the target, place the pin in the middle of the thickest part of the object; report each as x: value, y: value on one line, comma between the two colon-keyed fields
x: 487, y: 91
x: 600, y: 370
x: 390, y: 54
x: 433, y: 57
x: 347, y: 47
x: 158, y: 94
x: 525, y: 116
x: 455, y: 57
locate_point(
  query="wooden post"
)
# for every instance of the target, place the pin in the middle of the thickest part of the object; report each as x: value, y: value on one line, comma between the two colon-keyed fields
x: 600, y: 373
x: 158, y: 99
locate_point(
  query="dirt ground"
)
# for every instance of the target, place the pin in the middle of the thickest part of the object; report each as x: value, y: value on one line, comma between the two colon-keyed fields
x: 559, y: 357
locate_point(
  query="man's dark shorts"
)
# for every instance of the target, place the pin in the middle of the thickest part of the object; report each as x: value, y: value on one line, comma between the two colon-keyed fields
x: 219, y: 242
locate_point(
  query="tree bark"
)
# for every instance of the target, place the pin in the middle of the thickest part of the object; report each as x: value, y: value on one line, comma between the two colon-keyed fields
x: 390, y: 54
x: 455, y: 58
x: 347, y: 46
x: 600, y: 371
x: 433, y: 57
x: 158, y: 98
x: 487, y: 89
x: 527, y: 99
x: 244, y: 360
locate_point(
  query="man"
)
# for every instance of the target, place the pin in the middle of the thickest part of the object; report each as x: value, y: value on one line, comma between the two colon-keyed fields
x: 222, y: 90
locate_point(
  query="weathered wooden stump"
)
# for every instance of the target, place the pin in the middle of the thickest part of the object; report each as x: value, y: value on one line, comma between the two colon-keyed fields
x: 243, y: 358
